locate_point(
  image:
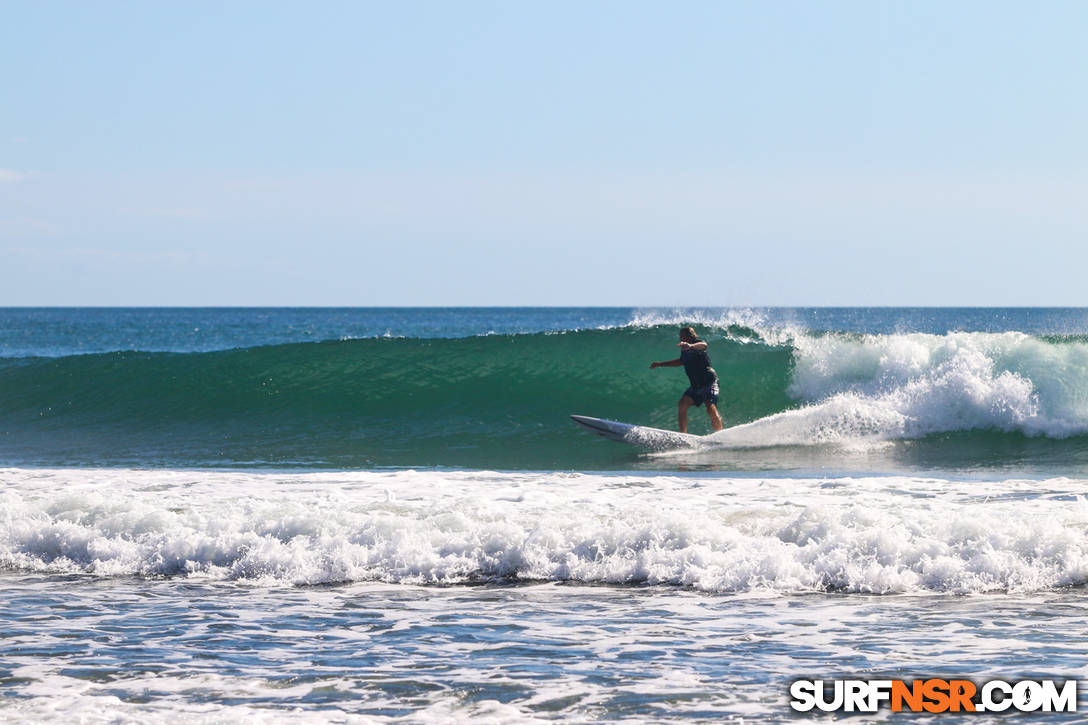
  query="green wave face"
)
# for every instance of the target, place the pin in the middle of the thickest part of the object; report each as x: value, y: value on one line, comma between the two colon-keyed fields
x: 809, y: 401
x: 486, y: 402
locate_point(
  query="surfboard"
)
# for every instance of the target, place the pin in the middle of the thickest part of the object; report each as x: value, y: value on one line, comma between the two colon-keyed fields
x: 642, y: 436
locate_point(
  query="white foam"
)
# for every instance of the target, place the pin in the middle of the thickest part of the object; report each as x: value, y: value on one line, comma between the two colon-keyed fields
x: 721, y: 320
x: 859, y: 390
x: 774, y: 536
x: 57, y: 703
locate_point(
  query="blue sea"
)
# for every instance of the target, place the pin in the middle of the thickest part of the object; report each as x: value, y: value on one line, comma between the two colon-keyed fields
x: 386, y: 515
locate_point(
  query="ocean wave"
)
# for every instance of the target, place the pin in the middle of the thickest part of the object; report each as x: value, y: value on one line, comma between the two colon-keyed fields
x: 778, y: 536
x: 501, y: 401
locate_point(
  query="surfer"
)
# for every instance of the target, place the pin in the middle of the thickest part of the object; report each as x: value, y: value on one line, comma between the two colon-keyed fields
x: 703, y: 379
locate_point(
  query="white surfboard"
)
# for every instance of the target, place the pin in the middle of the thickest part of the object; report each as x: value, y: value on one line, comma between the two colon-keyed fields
x: 653, y: 439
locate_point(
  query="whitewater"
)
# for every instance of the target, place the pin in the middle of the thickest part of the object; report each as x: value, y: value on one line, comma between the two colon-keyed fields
x: 374, y: 515
x: 716, y: 534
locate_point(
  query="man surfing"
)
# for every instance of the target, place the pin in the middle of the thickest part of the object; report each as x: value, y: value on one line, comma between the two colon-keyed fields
x: 703, y: 379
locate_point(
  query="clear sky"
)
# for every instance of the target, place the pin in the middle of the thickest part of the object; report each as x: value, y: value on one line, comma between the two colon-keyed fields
x: 559, y: 153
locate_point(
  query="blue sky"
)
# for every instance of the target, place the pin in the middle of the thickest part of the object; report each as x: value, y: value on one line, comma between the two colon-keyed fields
x: 612, y: 153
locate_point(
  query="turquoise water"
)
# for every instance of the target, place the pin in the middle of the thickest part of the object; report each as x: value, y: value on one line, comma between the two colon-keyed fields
x: 920, y: 390
x: 386, y: 515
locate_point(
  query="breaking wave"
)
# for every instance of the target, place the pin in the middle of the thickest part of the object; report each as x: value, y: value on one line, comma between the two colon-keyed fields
x: 501, y: 401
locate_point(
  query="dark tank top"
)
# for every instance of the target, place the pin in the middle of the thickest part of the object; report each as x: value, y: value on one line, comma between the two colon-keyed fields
x: 697, y: 366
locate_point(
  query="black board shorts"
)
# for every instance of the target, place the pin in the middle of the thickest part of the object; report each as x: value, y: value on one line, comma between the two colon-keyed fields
x: 703, y: 394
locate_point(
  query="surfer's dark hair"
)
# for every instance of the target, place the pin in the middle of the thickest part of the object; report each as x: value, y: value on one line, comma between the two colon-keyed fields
x: 688, y: 331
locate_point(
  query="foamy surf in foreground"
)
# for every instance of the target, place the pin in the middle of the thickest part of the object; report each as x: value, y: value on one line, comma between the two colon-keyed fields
x: 713, y: 534
x: 101, y: 651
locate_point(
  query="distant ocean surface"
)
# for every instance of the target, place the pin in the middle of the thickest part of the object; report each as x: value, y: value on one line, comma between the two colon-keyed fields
x: 238, y: 515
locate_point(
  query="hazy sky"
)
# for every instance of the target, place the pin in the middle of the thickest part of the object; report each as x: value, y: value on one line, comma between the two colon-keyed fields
x: 612, y: 153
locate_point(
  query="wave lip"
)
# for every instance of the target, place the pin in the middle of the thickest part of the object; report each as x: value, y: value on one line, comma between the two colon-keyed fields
x: 775, y: 536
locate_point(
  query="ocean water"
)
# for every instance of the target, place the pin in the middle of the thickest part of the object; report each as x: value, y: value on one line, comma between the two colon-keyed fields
x: 372, y: 515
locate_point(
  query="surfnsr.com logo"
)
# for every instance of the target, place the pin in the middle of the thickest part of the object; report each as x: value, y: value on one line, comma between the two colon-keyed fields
x: 934, y: 695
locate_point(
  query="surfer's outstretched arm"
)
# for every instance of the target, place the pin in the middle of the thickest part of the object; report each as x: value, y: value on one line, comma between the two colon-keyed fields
x: 667, y: 364
x: 698, y: 346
